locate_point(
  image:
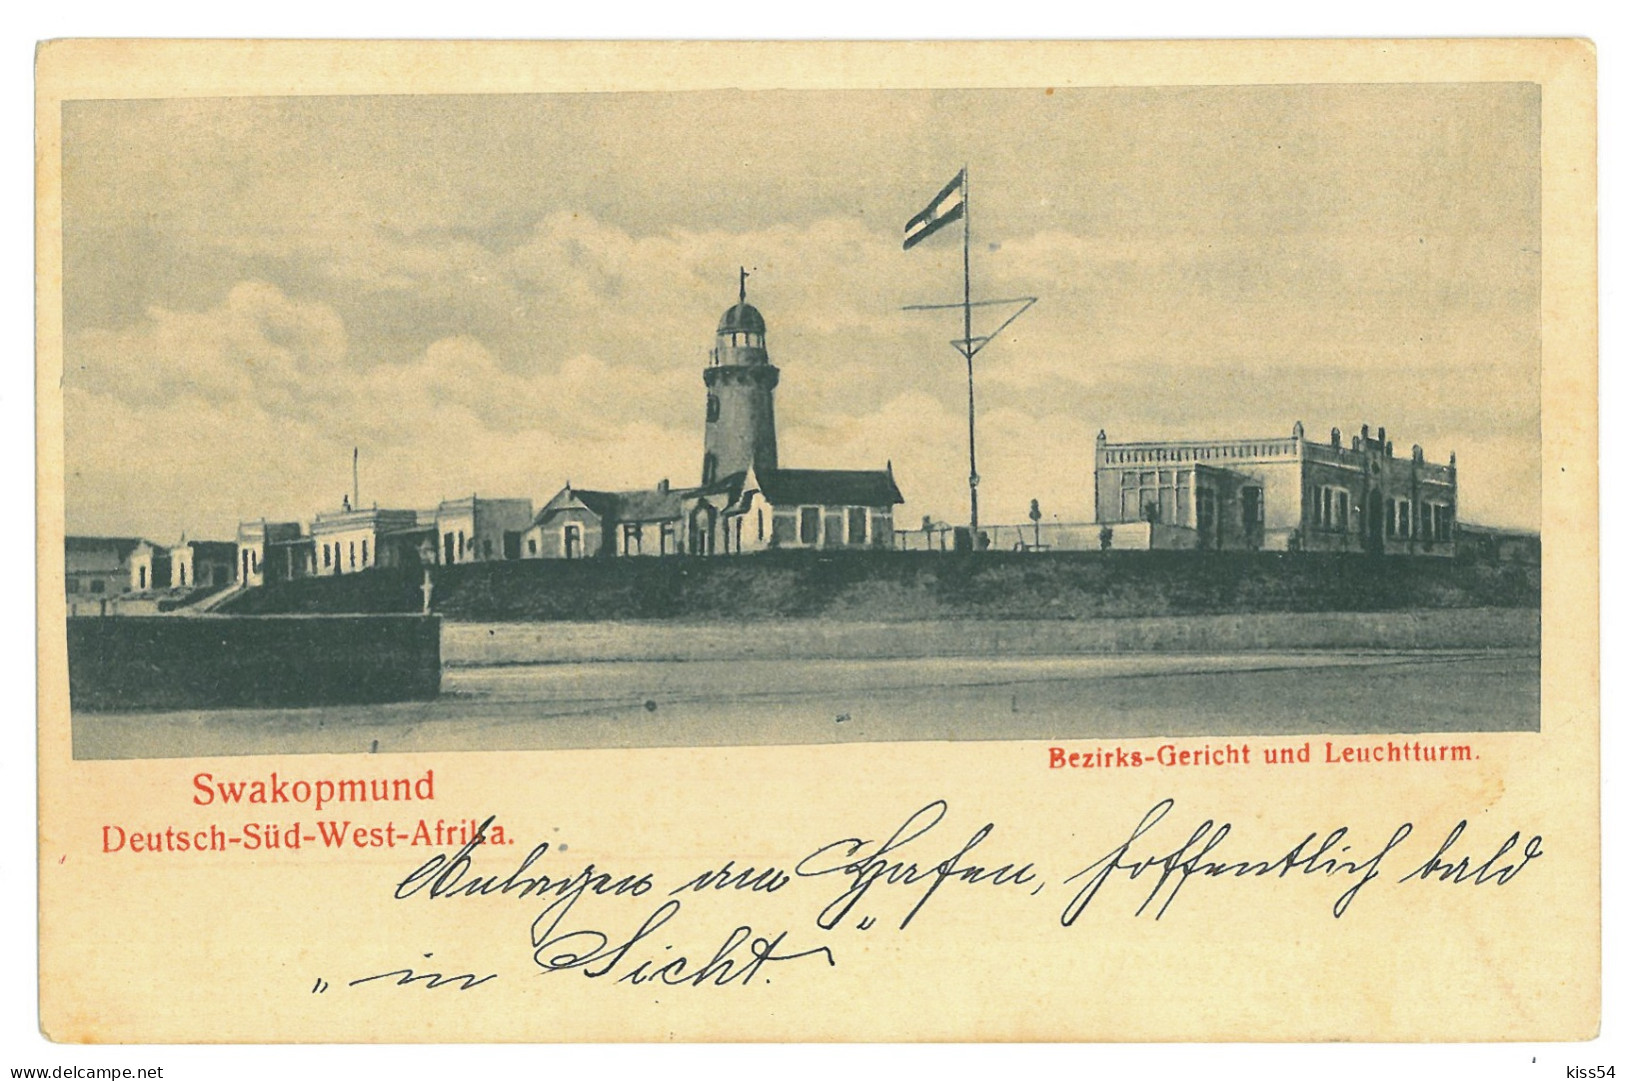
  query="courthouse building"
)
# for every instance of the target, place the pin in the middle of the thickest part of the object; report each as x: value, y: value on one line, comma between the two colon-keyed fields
x: 1280, y: 493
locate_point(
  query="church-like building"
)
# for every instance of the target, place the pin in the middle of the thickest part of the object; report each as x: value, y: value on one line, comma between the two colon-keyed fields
x: 744, y: 501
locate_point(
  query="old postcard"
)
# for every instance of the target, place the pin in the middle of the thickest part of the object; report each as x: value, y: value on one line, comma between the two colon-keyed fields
x: 802, y: 542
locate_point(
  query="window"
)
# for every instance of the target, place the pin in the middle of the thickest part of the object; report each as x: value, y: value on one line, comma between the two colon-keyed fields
x: 1402, y: 518
x: 834, y: 528
x: 1161, y: 496
x: 485, y: 548
x: 708, y: 472
x: 1252, y: 506
x: 254, y: 558
x: 761, y: 526
x: 632, y: 538
x: 98, y: 586
x: 182, y: 569
x: 668, y: 538
x: 352, y: 555
x: 1443, y: 515
x: 142, y: 574
x: 784, y: 527
x: 530, y: 545
x: 857, y: 526
x: 809, y: 525
x: 460, y: 540
x: 327, y: 556
x: 1332, y: 508
x: 363, y: 553
x: 713, y: 408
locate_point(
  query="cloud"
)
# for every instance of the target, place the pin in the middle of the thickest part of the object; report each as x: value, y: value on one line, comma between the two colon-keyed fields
x: 488, y: 295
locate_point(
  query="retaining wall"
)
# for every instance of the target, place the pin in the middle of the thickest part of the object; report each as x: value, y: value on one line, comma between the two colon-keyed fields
x: 174, y: 662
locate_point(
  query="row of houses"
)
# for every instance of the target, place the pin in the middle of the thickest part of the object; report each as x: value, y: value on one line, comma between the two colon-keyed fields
x: 756, y: 510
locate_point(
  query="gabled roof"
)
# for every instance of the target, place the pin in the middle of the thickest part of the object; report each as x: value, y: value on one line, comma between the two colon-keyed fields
x: 599, y: 503
x: 642, y: 505
x: 649, y: 505
x: 830, y: 487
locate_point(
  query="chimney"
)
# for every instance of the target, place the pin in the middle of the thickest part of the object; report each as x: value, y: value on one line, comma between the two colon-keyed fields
x: 1382, y: 436
x: 664, y: 486
x: 1337, y: 439
x: 1416, y: 452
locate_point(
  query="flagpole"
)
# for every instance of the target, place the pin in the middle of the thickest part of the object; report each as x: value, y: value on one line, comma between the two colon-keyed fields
x: 970, y: 367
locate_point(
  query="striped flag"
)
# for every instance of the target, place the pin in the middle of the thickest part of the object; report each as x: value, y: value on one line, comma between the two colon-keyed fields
x: 948, y: 206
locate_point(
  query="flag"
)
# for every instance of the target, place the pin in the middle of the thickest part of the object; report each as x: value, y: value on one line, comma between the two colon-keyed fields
x: 948, y: 206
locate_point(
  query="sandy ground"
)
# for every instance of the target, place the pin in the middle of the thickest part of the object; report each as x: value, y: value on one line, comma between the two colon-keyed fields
x: 807, y: 639
x: 655, y: 703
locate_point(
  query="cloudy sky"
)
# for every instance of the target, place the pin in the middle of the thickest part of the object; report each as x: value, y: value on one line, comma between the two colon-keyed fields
x: 495, y: 294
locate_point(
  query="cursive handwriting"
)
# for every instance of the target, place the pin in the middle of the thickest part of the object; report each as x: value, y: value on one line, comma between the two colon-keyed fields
x: 913, y: 857
x: 1194, y: 857
x: 466, y: 982
x: 875, y: 867
x: 444, y: 877
x: 1491, y: 872
x: 591, y: 953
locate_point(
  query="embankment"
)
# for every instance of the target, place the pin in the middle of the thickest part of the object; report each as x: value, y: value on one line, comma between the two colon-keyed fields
x: 892, y: 587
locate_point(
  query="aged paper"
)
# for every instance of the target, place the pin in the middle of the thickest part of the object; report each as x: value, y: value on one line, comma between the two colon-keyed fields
x: 1247, y: 692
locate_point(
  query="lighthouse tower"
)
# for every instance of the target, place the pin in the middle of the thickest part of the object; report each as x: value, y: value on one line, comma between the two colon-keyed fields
x: 739, y: 429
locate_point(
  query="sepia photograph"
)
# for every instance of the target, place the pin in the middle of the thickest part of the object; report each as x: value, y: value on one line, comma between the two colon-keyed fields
x: 571, y: 420
x: 817, y: 542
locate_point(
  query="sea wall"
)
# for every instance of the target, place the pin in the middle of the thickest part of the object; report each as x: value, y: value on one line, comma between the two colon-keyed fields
x: 180, y: 662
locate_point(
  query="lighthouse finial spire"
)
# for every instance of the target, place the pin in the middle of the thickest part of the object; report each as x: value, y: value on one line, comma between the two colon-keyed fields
x: 742, y: 276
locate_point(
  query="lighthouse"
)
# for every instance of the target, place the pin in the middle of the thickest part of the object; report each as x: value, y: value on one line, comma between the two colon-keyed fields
x: 739, y: 382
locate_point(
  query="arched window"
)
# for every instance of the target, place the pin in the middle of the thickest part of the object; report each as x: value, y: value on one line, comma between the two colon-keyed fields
x: 713, y: 408
x: 709, y: 472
